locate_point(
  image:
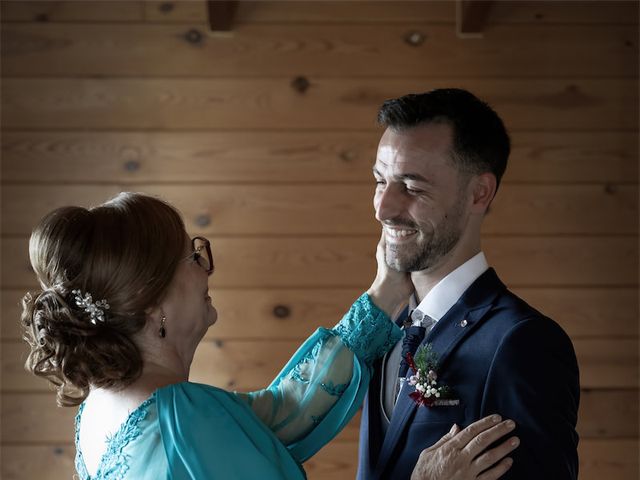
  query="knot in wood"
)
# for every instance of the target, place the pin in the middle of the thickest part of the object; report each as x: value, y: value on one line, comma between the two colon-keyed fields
x: 415, y: 38
x: 281, y: 311
x: 347, y: 155
x: 193, y: 36
x: 203, y: 220
x: 166, y: 7
x: 300, y: 84
x: 132, y: 165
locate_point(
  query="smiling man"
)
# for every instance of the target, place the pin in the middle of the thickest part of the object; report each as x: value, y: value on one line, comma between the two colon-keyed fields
x: 438, y: 167
x: 417, y: 196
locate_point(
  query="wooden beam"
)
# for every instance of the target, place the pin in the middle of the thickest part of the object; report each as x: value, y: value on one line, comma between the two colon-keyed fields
x: 221, y: 14
x: 472, y: 16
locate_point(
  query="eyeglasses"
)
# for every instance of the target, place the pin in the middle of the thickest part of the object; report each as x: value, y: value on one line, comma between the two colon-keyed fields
x: 202, y: 254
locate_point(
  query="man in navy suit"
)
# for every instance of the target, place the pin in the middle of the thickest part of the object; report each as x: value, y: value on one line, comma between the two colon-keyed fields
x: 438, y: 167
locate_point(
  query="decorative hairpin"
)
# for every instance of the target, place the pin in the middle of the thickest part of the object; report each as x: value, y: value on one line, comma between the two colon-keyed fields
x: 95, y: 310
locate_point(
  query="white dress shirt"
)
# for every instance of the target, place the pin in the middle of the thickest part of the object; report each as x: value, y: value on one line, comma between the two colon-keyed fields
x: 434, y: 305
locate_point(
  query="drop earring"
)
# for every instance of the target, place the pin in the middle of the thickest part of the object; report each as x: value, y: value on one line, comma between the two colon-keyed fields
x: 162, y: 332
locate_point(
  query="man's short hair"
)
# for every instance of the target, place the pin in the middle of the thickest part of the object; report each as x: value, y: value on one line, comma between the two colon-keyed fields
x: 480, y: 141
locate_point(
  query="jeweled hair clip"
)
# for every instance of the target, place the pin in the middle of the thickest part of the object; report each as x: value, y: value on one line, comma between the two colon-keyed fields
x: 96, y: 310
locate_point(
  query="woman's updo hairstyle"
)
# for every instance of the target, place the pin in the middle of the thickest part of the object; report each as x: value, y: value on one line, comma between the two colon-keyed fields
x: 125, y: 251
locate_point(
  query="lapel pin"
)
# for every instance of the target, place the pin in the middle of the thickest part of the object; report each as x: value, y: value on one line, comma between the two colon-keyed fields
x: 463, y: 323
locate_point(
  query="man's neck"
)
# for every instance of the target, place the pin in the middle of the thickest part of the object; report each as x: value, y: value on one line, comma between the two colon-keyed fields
x: 425, y: 280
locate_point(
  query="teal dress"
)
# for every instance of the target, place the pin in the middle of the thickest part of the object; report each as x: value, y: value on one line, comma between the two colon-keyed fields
x: 195, y: 431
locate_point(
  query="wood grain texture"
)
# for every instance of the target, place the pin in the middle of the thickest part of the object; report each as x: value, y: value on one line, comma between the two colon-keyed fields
x: 338, y: 262
x: 598, y: 459
x: 71, y: 11
x: 48, y: 50
x: 329, y: 103
x: 608, y: 363
x: 24, y: 462
x: 337, y: 209
x: 252, y: 364
x: 283, y: 175
x: 402, y: 11
x: 285, y: 12
x: 608, y: 414
x: 612, y: 458
x: 310, y: 12
x: 287, y: 157
x: 582, y: 312
x: 33, y: 417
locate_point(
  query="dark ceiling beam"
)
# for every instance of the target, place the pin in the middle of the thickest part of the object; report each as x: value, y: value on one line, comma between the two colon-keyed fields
x: 221, y: 15
x: 473, y: 15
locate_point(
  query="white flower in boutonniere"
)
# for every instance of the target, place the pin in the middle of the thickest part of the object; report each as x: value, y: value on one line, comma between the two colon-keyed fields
x: 425, y: 379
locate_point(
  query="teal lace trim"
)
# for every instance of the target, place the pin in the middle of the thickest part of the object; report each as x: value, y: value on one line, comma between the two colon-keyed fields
x: 334, y: 390
x: 114, y: 463
x: 310, y: 357
x: 297, y: 376
x: 367, y: 330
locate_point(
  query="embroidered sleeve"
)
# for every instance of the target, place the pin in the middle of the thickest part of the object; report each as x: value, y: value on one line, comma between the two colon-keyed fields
x: 323, y: 384
x: 367, y: 330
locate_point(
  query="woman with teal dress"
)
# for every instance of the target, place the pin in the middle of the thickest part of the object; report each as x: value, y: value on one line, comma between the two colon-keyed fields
x: 123, y: 305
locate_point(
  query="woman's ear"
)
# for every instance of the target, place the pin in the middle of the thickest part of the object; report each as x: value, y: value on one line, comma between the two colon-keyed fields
x: 483, y: 190
x: 153, y: 312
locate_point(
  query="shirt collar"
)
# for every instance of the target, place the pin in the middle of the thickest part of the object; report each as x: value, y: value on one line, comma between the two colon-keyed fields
x: 448, y: 291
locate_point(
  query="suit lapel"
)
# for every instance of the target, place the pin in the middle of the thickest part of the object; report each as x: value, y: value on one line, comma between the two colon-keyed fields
x: 374, y: 415
x: 464, y: 316
x: 444, y: 337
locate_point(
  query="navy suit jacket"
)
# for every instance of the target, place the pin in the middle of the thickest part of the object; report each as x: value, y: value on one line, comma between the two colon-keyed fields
x: 507, y: 358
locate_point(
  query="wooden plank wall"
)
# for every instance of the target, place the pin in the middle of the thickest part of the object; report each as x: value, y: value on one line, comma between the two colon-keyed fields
x: 264, y: 137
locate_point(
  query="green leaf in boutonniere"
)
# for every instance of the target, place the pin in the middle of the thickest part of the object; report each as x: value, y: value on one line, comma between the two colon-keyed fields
x: 425, y: 379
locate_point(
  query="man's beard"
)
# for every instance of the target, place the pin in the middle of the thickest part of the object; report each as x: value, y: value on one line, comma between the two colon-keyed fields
x: 426, y: 252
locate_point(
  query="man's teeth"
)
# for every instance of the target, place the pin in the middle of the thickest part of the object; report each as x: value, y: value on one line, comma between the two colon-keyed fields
x: 400, y: 233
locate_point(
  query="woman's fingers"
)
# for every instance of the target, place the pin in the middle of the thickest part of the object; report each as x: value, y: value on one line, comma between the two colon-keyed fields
x: 461, y: 440
x: 390, y: 289
x: 446, y: 437
x: 482, y: 441
x: 493, y: 456
x: 497, y: 471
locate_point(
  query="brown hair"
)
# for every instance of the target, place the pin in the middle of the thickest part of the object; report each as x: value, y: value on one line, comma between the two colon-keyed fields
x: 480, y: 141
x: 125, y: 251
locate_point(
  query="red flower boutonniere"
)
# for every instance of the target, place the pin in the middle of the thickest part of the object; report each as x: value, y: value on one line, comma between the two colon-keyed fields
x: 425, y: 378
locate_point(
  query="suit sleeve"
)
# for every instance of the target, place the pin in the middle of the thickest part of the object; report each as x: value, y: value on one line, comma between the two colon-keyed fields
x: 534, y: 380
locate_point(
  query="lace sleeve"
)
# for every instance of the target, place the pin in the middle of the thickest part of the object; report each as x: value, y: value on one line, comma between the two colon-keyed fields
x: 323, y: 384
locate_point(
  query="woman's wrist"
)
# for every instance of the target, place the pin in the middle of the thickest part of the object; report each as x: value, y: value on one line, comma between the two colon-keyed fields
x: 387, y: 299
x: 367, y: 331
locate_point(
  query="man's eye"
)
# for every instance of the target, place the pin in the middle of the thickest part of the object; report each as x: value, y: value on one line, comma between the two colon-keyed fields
x: 195, y: 256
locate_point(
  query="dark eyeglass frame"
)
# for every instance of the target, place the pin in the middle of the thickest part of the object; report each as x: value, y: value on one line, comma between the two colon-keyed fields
x: 197, y: 253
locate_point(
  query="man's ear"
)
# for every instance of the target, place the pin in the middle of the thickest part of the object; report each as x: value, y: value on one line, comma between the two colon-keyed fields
x: 483, y: 190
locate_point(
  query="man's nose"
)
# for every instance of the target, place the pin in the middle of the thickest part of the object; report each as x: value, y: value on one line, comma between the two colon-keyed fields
x: 389, y: 203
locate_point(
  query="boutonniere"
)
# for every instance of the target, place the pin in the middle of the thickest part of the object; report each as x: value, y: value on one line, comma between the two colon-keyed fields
x: 429, y: 391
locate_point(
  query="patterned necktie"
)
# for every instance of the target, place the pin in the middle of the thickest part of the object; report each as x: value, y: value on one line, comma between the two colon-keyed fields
x: 414, y: 335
